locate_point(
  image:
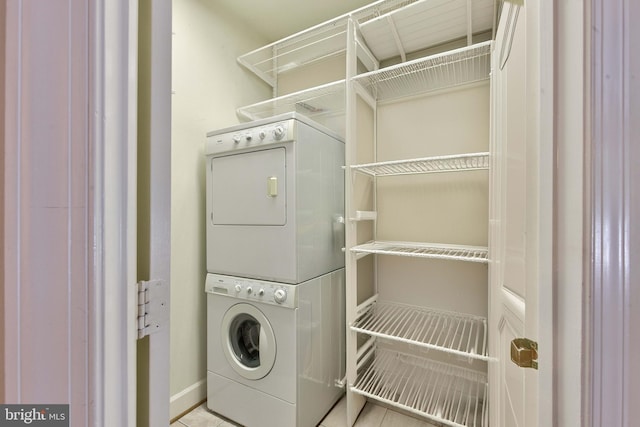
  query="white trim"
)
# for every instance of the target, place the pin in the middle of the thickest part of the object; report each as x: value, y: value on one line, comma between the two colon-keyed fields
x: 113, y: 165
x: 186, y: 399
x: 611, y: 292
x: 571, y: 210
x: 12, y: 201
x: 159, y: 250
x: 547, y: 182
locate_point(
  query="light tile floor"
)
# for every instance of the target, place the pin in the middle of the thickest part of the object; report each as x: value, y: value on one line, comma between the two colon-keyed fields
x: 371, y: 416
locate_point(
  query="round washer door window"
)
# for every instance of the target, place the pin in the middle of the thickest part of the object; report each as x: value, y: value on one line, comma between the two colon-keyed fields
x: 248, y: 342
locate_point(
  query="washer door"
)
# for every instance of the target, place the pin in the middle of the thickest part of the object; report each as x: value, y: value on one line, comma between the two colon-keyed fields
x: 248, y: 341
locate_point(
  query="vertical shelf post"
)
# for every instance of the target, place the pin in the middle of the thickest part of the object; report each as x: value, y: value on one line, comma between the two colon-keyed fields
x: 355, y: 402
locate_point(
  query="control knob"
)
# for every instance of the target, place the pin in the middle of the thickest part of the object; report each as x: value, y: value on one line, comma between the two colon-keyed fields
x: 280, y: 296
x: 249, y: 290
x: 278, y: 132
x: 238, y: 288
x: 236, y: 138
x: 261, y: 292
x: 262, y: 134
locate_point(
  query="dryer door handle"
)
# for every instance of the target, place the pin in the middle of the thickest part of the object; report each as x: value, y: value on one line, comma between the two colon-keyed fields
x: 272, y: 186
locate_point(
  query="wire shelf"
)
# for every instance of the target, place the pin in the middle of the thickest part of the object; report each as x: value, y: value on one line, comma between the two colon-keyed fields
x: 452, y: 68
x: 440, y: 392
x: 453, y: 163
x: 313, y: 44
x: 325, y: 100
x: 455, y: 333
x: 426, y: 23
x: 307, y: 47
x: 425, y: 250
x: 389, y: 27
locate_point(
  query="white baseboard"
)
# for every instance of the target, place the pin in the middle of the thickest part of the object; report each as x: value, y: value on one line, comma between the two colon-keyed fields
x: 187, y: 398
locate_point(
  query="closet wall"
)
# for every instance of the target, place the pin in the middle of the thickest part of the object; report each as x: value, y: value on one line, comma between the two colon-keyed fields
x: 449, y: 208
x: 208, y: 85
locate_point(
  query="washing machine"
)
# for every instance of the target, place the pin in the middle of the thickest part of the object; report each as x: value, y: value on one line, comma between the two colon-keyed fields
x: 275, y: 200
x: 275, y: 350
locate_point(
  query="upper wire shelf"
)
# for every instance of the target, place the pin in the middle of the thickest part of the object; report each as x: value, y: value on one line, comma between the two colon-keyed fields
x: 445, y: 70
x: 315, y: 44
x: 451, y: 163
x: 438, y: 391
x: 319, y: 101
x: 425, y: 24
x: 390, y: 28
x: 455, y: 333
x: 425, y: 250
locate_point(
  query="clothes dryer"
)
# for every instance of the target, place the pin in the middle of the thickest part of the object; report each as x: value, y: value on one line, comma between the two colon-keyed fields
x: 275, y: 200
x: 274, y: 350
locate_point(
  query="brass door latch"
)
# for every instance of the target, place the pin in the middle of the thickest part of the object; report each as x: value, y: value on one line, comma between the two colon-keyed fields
x: 524, y: 353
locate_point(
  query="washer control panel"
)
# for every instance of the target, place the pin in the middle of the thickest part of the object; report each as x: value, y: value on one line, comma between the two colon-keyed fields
x: 272, y: 133
x: 281, y: 294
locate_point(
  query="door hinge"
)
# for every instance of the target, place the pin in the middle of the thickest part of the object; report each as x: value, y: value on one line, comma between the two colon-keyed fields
x: 524, y: 353
x: 153, y: 307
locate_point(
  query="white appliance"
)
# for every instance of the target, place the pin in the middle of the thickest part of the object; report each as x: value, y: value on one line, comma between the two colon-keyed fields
x: 274, y: 350
x: 275, y: 200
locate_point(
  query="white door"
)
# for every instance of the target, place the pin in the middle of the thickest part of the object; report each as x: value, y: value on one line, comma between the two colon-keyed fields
x: 520, y: 214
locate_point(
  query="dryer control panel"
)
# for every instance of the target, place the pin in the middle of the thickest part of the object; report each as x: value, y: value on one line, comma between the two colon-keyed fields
x: 250, y: 137
x: 280, y: 294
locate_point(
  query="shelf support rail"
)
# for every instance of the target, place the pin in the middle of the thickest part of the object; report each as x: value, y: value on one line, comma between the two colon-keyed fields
x: 396, y: 37
x: 267, y: 79
x: 364, y: 94
x: 362, y: 50
x: 365, y: 306
x: 274, y: 64
x: 469, y: 23
x: 365, y: 352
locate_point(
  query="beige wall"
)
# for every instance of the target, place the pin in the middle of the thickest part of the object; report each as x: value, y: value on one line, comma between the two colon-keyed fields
x: 208, y: 86
x: 440, y: 208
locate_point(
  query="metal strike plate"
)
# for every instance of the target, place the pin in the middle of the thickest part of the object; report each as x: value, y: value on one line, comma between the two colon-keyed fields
x: 524, y: 353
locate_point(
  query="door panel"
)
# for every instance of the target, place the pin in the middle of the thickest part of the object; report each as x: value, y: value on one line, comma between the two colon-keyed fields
x: 249, y: 188
x: 512, y: 395
x: 514, y: 128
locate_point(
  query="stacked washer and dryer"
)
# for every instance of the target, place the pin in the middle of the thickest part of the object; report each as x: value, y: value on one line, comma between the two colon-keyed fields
x: 275, y: 262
